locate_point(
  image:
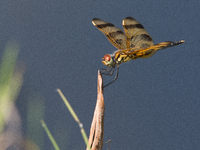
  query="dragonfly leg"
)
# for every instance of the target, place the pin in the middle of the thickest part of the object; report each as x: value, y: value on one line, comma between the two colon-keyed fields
x: 103, y: 70
x: 108, y: 71
x: 116, y: 76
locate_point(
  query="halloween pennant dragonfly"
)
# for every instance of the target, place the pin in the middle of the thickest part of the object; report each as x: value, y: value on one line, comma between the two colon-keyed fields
x: 135, y: 43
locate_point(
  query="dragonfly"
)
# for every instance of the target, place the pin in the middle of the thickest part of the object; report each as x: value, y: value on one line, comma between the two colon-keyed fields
x: 135, y: 42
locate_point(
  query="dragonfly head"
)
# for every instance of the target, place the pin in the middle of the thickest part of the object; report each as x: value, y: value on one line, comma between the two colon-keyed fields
x: 108, y: 60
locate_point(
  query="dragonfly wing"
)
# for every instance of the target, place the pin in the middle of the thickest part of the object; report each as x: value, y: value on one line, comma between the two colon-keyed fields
x: 136, y: 35
x: 150, y: 51
x: 115, y: 35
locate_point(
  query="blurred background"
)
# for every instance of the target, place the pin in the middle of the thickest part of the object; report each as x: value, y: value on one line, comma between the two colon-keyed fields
x: 154, y: 104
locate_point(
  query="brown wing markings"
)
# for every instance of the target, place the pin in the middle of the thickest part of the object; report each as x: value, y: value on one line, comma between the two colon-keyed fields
x: 134, y: 26
x: 136, y: 35
x: 115, y: 35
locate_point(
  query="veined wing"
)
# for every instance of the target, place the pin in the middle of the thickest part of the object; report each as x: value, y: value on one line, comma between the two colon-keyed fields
x: 136, y: 35
x: 149, y: 51
x: 115, y: 35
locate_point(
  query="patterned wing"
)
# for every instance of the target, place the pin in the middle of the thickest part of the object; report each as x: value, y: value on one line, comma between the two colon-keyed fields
x: 136, y: 35
x: 150, y: 51
x: 114, y: 34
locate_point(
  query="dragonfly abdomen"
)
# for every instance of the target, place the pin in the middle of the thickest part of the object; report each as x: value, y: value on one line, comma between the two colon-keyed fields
x: 146, y: 53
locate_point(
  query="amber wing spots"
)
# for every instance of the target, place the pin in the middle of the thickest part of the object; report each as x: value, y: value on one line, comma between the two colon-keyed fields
x: 115, y: 35
x: 136, y: 35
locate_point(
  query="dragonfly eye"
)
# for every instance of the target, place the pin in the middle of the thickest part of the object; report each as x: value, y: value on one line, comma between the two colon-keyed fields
x: 107, y: 60
x: 106, y: 57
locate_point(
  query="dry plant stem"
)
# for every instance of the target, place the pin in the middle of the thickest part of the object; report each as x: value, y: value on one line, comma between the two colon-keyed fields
x: 97, y: 126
